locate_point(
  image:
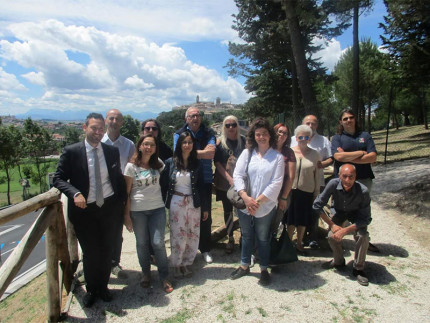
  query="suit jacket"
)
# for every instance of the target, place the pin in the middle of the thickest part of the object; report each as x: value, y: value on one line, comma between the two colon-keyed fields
x: 72, y: 173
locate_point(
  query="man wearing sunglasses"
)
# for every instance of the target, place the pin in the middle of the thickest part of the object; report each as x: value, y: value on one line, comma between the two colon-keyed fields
x: 205, y: 141
x: 323, y: 146
x: 351, y: 145
x: 114, y: 121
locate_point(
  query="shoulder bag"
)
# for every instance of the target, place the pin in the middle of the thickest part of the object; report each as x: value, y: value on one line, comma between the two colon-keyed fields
x: 234, y: 196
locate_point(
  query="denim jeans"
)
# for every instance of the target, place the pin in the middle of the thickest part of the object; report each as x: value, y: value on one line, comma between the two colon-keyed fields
x: 149, y: 227
x: 255, y: 228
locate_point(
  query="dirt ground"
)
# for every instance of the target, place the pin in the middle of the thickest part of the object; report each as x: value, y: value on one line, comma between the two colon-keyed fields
x: 301, y: 291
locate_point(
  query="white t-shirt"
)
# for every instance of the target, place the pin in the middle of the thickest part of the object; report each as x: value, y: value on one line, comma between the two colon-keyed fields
x: 145, y: 191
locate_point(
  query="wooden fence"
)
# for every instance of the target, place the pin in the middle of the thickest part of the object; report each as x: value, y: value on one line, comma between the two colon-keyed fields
x: 59, y: 265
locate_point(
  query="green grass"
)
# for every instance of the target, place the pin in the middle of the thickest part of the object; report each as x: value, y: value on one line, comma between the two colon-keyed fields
x: 405, y: 143
x: 16, y: 188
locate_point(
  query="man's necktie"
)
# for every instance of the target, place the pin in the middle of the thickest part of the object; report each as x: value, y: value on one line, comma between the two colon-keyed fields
x: 99, y: 188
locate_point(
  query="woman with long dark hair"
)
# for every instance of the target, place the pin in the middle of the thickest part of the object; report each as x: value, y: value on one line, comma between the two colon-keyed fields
x: 144, y: 212
x: 263, y: 165
x: 182, y: 182
x: 152, y: 126
x: 283, y: 146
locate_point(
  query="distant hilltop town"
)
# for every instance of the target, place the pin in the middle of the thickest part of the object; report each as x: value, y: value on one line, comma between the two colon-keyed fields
x: 210, y: 107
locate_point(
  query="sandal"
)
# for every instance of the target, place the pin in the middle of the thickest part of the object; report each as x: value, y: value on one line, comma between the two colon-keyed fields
x: 167, y: 286
x: 187, y: 272
x: 177, y: 273
x: 146, y: 281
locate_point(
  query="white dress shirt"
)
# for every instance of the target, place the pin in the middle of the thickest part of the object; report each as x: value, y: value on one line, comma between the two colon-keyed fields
x: 125, y: 146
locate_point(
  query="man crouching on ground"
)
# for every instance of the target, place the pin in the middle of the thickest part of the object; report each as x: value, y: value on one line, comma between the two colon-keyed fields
x: 351, y: 202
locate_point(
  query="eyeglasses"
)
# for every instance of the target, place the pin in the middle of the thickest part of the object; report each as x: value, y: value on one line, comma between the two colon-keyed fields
x: 229, y: 125
x: 151, y: 128
x: 303, y: 137
x: 348, y: 118
x: 282, y: 133
x: 194, y: 116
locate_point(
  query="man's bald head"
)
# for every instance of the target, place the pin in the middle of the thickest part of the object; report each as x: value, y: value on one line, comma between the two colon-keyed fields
x: 311, y: 121
x: 114, y: 121
x: 347, y: 175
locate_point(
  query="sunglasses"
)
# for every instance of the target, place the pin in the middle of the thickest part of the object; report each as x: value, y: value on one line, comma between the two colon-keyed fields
x: 303, y: 137
x: 348, y: 118
x: 149, y: 128
x: 229, y: 125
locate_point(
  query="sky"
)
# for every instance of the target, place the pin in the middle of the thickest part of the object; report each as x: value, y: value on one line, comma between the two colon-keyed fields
x: 134, y: 55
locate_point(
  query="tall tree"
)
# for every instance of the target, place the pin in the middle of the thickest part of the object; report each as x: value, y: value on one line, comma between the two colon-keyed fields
x: 407, y: 38
x: 372, y: 78
x: 344, y: 11
x: 9, y: 152
x: 267, y: 60
x: 38, y: 144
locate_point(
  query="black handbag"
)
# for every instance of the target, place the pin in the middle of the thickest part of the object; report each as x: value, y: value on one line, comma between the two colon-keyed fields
x: 282, y: 250
x: 234, y: 196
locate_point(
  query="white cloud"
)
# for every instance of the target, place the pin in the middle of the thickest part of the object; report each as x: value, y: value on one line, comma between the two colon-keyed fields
x: 9, y: 82
x: 330, y: 52
x: 164, y: 20
x: 123, y: 71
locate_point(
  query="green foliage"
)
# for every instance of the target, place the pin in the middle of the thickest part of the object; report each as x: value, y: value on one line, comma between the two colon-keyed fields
x: 37, y: 143
x: 72, y: 135
x: 170, y: 122
x: 130, y: 128
x: 9, y: 152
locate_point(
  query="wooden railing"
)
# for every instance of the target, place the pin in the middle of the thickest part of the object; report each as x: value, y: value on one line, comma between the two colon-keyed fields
x: 59, y: 268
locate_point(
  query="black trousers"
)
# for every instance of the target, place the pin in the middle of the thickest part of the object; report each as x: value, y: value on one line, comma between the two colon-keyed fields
x: 94, y: 229
x: 206, y: 226
x: 117, y: 242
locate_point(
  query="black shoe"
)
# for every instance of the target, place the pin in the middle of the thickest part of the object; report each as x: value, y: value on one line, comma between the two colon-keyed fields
x: 105, y: 295
x: 361, y: 277
x: 330, y: 264
x: 239, y: 272
x: 89, y: 299
x: 264, y: 278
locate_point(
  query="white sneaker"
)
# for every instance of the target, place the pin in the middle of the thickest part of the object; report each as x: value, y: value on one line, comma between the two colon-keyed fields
x: 207, y: 257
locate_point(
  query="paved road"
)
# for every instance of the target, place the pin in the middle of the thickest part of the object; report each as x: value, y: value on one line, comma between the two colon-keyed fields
x: 10, y: 236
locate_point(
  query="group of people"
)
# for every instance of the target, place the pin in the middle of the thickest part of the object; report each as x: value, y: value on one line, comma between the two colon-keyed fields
x: 111, y: 182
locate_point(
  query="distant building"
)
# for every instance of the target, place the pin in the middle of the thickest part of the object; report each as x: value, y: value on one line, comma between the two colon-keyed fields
x: 209, y: 107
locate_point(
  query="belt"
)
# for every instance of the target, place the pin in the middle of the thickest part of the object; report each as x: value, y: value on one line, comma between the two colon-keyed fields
x: 181, y: 194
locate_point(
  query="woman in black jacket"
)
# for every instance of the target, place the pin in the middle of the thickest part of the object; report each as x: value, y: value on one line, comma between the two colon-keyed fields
x: 181, y: 182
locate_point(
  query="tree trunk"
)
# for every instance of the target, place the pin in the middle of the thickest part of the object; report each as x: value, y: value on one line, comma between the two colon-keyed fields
x: 295, y: 95
x: 356, y: 63
x: 369, y: 128
x: 308, y: 95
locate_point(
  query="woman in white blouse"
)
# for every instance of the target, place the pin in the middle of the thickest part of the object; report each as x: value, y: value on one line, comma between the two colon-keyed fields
x: 266, y: 174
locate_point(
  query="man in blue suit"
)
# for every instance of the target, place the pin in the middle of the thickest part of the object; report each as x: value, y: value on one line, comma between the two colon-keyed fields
x: 89, y: 174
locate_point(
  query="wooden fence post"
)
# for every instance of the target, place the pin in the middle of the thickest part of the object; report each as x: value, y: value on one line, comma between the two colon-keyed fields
x: 53, y: 285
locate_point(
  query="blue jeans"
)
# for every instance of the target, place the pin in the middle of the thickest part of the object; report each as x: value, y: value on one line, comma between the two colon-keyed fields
x: 147, y: 225
x: 258, y: 228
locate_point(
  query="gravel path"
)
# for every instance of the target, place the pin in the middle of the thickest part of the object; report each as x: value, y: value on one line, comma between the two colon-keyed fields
x: 300, y: 292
